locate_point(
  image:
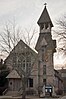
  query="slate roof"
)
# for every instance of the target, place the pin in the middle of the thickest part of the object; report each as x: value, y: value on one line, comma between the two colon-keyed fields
x: 44, y: 18
x: 13, y: 74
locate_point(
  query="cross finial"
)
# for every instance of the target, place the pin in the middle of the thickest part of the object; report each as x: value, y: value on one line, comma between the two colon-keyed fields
x: 45, y: 4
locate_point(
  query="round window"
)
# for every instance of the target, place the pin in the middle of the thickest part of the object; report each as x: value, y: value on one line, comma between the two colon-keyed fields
x: 10, y: 83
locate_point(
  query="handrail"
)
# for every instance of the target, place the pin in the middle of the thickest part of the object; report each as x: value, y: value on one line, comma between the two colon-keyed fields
x: 4, y: 92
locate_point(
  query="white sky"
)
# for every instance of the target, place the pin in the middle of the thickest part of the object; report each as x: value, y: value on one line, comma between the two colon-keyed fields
x: 27, y: 12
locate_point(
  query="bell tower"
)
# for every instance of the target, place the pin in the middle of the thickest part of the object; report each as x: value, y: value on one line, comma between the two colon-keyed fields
x: 45, y: 22
x: 46, y: 48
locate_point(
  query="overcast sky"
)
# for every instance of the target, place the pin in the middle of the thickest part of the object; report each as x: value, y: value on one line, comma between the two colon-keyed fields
x: 27, y: 12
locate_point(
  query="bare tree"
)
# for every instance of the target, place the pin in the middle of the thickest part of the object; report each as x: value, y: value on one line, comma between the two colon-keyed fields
x: 26, y: 72
x: 60, y: 34
x: 9, y: 37
x: 23, y: 60
x: 30, y: 36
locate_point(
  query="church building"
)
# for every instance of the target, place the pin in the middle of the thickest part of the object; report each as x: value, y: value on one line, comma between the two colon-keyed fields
x: 37, y: 62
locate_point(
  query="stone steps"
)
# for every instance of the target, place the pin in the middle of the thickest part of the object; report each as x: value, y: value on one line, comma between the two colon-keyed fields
x: 12, y: 93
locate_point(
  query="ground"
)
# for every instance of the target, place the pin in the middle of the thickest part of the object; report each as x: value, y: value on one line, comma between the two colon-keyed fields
x: 64, y: 97
x: 30, y: 97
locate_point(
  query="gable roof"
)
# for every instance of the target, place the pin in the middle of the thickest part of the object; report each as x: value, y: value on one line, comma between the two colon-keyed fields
x: 44, y: 18
x: 13, y: 74
x: 25, y: 46
x: 21, y: 47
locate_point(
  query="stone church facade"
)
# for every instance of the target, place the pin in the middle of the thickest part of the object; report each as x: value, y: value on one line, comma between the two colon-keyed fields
x: 38, y: 60
x: 21, y: 63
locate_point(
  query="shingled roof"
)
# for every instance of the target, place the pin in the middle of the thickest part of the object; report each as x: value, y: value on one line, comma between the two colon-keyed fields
x: 44, y: 18
x: 13, y: 74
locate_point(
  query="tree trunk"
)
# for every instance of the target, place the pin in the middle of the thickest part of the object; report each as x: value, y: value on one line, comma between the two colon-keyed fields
x: 24, y: 95
x: 24, y: 88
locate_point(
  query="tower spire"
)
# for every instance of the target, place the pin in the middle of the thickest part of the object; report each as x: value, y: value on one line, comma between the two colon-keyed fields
x: 44, y: 21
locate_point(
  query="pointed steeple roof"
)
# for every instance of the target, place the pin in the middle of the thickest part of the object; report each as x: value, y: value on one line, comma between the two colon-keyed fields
x: 45, y: 18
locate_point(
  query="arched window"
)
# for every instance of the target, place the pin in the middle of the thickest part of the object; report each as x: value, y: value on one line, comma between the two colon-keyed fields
x: 44, y: 69
x: 46, y: 26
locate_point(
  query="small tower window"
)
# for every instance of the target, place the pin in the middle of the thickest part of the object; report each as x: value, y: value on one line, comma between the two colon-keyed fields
x: 44, y: 69
x: 43, y: 52
x: 46, y: 25
x: 42, y: 26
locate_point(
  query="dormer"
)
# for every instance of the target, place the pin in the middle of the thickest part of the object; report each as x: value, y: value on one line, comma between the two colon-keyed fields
x: 45, y: 22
